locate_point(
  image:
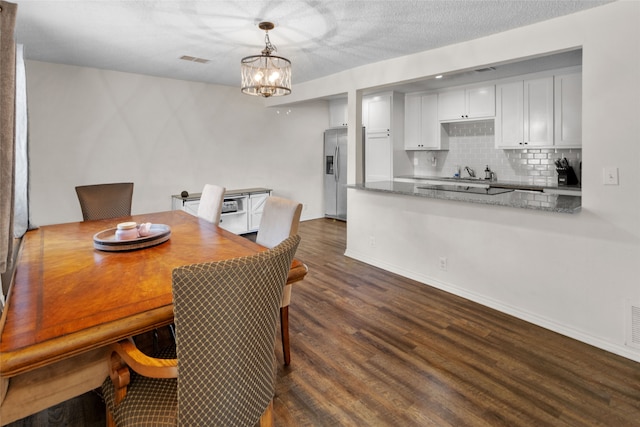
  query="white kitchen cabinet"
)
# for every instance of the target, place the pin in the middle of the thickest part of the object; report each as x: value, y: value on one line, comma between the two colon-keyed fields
x: 451, y: 105
x: 241, y: 211
x: 422, y: 129
x: 338, y: 112
x: 464, y: 104
x: 377, y: 112
x: 568, y: 110
x: 384, y: 154
x: 524, y: 113
x: 509, y: 123
x: 538, y: 112
x: 378, y: 157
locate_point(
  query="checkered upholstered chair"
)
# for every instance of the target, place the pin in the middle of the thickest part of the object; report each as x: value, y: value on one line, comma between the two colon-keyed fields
x: 210, y: 206
x: 225, y: 316
x: 280, y: 219
x: 102, y: 201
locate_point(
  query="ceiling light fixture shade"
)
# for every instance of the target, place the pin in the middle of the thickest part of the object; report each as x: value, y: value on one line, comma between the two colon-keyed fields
x: 266, y: 74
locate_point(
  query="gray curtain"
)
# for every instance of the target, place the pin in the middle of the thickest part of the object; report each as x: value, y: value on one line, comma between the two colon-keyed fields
x: 21, y: 167
x: 7, y: 129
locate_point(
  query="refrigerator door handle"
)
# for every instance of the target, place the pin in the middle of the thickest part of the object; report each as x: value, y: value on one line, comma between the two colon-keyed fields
x: 336, y: 165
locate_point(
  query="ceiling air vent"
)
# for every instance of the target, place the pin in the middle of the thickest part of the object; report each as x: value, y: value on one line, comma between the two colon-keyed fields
x: 482, y: 70
x: 194, y: 59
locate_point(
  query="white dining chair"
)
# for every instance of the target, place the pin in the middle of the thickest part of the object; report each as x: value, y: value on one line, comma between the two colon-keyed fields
x: 211, y: 200
x: 280, y: 219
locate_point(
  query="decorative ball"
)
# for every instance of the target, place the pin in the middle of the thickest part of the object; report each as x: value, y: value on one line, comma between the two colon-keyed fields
x: 184, y: 194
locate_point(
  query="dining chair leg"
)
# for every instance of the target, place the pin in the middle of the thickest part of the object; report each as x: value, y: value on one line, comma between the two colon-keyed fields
x: 110, y: 421
x: 266, y: 420
x: 284, y: 330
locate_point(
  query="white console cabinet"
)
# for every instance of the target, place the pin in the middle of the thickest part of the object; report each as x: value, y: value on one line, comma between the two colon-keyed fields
x: 256, y: 207
x: 241, y: 210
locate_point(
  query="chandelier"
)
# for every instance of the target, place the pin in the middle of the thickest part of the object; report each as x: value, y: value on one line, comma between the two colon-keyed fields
x: 266, y: 75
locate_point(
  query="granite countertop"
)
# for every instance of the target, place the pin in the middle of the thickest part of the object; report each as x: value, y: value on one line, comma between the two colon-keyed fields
x: 536, y: 200
x: 523, y: 184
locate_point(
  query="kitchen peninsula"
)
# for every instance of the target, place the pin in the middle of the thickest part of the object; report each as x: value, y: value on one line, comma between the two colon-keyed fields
x: 482, y: 192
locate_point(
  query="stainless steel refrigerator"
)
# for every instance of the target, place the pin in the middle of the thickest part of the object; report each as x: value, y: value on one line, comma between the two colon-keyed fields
x: 335, y: 173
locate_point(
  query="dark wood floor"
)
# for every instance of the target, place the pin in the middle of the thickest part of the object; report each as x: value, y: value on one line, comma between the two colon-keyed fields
x: 370, y: 348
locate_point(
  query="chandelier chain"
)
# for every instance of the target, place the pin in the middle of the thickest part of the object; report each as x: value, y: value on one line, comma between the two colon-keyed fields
x: 268, y: 48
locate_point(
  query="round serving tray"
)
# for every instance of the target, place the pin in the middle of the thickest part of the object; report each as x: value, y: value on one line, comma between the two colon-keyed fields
x: 106, y: 240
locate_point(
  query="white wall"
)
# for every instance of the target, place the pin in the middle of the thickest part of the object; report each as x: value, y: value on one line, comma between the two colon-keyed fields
x: 90, y: 126
x: 574, y: 274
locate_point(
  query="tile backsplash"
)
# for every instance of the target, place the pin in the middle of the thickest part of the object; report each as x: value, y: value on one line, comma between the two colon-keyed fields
x: 472, y: 144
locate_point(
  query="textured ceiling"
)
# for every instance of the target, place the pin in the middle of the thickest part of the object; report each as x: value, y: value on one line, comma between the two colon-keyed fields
x: 319, y: 37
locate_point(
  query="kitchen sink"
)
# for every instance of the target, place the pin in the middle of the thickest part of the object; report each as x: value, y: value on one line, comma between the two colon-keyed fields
x: 466, y: 189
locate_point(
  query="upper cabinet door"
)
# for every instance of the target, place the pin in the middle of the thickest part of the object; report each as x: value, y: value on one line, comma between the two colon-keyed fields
x: 473, y: 103
x: 509, y: 127
x: 338, y: 113
x: 451, y: 105
x: 538, y: 112
x: 430, y: 132
x: 421, y: 125
x: 412, y: 122
x: 481, y: 102
x: 568, y: 110
x: 378, y: 114
x: 524, y: 113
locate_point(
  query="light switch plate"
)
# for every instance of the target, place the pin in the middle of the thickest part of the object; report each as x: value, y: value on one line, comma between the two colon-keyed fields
x: 610, y: 176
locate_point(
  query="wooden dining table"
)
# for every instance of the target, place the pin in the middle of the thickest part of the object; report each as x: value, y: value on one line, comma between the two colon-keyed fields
x: 69, y: 301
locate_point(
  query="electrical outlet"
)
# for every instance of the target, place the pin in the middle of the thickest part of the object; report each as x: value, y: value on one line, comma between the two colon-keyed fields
x: 610, y: 176
x: 443, y: 263
x: 372, y: 241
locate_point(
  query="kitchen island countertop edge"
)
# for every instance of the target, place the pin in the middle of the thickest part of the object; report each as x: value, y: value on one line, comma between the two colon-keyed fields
x: 516, y: 199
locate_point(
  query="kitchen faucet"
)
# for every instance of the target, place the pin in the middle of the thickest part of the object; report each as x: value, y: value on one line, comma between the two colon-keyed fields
x: 470, y: 171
